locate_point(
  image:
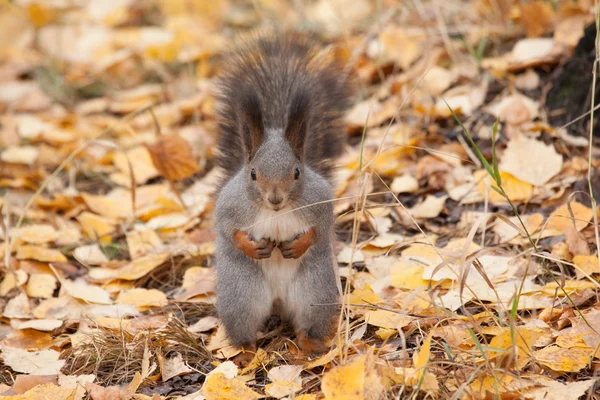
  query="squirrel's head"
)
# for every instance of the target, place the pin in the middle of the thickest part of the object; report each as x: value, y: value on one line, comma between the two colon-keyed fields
x: 274, y: 157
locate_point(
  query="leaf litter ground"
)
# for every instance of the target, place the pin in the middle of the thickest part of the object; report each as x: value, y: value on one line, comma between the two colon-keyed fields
x: 459, y: 281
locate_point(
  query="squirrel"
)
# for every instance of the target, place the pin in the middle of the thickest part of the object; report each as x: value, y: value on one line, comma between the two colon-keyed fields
x: 280, y: 131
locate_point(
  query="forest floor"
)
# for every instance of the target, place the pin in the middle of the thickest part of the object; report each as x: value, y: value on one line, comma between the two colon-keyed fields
x: 467, y: 239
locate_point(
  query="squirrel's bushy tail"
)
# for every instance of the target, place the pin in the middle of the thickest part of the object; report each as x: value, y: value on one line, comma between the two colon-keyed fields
x: 274, y: 69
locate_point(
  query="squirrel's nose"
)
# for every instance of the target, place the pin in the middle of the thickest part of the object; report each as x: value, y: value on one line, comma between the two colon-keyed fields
x: 275, y: 199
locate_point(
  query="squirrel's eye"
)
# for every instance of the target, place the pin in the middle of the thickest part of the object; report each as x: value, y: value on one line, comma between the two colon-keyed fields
x: 253, y: 174
x: 296, y: 173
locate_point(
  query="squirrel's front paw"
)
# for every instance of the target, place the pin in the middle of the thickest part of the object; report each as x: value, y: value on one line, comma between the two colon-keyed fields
x: 256, y: 250
x: 263, y: 249
x: 296, y: 247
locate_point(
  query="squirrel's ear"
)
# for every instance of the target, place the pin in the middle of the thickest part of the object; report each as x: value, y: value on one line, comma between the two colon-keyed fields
x: 251, y: 123
x: 297, y: 125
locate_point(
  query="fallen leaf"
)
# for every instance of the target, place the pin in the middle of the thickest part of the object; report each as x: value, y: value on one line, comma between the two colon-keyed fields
x: 141, y: 164
x: 404, y: 184
x: 566, y: 360
x: 37, y: 234
x: 43, y: 362
x: 174, y: 366
x: 387, y: 319
x: 17, y: 307
x: 86, y: 292
x: 44, y: 325
x: 515, y: 189
x: 141, y: 242
x: 531, y: 160
x: 134, y: 270
x: 537, y: 18
x: 20, y: 155
x: 96, y: 227
x: 345, y: 382
x: 143, y: 298
x: 560, y: 220
x: 285, y: 380
x: 41, y: 285
x: 173, y: 158
x: 204, y: 324
x: 23, y: 383
x: 39, y: 253
x: 90, y: 254
x: 218, y: 387
x: 421, y: 358
x: 556, y: 390
x: 431, y: 207
x: 587, y: 264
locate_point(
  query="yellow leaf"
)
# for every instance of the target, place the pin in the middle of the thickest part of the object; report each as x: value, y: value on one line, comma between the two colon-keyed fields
x: 568, y: 341
x: 588, y: 264
x: 384, y: 333
x: 40, y: 15
x: 560, y: 220
x: 96, y: 227
x: 41, y: 285
x: 39, y: 253
x: 387, y: 319
x: 363, y: 296
x: 515, y: 189
x: 141, y: 165
x: 143, y: 298
x: 407, y: 276
x: 134, y: 270
x: 108, y: 207
x: 566, y: 360
x: 141, y: 242
x: 537, y: 17
x: 421, y: 358
x: 218, y: 387
x: 345, y: 382
x: 519, y: 346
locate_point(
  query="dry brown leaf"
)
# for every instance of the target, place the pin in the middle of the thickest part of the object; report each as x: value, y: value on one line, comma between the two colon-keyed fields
x: 173, y: 158
x: 537, y: 18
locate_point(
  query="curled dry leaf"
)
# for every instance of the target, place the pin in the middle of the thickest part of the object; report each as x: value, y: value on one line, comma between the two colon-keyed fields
x: 173, y: 157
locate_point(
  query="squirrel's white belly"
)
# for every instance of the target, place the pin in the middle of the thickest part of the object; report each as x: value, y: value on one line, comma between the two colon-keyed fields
x: 278, y: 271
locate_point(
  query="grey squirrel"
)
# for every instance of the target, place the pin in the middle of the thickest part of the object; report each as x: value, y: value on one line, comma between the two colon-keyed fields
x: 280, y: 108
